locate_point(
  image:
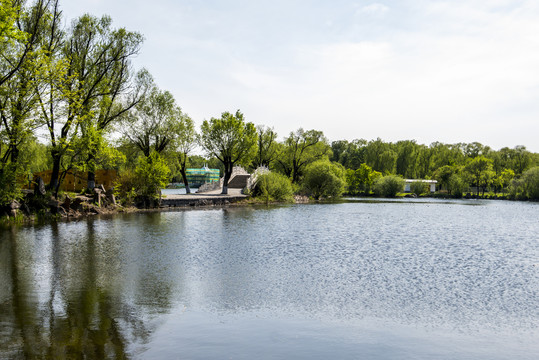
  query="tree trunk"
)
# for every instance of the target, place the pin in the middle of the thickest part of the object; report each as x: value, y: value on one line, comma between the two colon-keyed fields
x: 228, y: 174
x: 91, y: 173
x: 185, y: 181
x: 91, y: 180
x: 55, y: 175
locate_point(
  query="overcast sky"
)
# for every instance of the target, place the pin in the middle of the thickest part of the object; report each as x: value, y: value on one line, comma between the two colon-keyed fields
x: 449, y: 71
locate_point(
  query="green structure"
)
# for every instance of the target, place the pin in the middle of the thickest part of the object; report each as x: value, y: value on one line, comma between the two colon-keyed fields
x: 197, y: 177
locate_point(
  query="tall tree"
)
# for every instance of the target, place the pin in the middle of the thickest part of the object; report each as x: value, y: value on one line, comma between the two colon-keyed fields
x: 185, y: 143
x: 231, y: 140
x: 267, y: 147
x: 153, y: 123
x: 86, y: 71
x: 480, y: 171
x: 21, y: 31
x: 300, y: 149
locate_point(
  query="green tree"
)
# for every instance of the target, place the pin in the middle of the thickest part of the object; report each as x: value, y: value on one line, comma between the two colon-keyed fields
x: 231, y: 140
x: 360, y: 181
x: 349, y: 154
x: 185, y: 143
x: 527, y: 186
x: 419, y: 187
x: 504, y: 180
x: 406, y: 158
x: 388, y: 186
x: 380, y: 156
x: 300, y: 149
x: 20, y: 30
x: 153, y: 123
x: 152, y: 174
x: 324, y: 179
x: 457, y: 185
x: 480, y: 171
x: 267, y: 147
x: 443, y: 174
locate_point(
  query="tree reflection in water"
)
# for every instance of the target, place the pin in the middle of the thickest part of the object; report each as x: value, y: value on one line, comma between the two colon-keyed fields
x: 57, y: 300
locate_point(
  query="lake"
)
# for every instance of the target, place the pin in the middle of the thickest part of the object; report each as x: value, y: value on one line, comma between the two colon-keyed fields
x: 358, y: 279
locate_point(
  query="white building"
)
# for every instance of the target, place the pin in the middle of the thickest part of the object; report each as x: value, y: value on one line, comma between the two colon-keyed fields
x: 430, y: 183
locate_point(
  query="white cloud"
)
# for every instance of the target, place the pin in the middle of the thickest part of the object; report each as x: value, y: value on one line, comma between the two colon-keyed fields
x: 374, y: 9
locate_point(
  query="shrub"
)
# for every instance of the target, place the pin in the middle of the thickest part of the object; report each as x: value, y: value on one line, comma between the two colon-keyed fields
x: 457, y: 185
x: 124, y: 187
x: 324, y: 179
x: 388, y: 186
x: 152, y: 175
x: 419, y: 187
x: 146, y: 182
x: 273, y: 186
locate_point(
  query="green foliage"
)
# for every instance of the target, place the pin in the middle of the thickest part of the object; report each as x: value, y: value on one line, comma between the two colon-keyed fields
x: 388, y: 186
x: 155, y: 123
x: 480, y: 171
x: 124, y: 187
x: 360, y: 181
x: 9, y: 189
x: 267, y: 147
x: 527, y: 186
x: 504, y: 180
x: 231, y: 140
x: 456, y: 185
x: 300, y: 149
x: 273, y: 186
x: 443, y: 174
x: 324, y: 179
x: 152, y: 174
x: 419, y: 187
x: 349, y: 154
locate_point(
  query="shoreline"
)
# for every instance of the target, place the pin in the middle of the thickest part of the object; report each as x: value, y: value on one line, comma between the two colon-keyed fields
x: 182, y: 202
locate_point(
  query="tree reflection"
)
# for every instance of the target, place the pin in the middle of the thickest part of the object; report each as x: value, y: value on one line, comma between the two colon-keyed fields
x: 76, y: 312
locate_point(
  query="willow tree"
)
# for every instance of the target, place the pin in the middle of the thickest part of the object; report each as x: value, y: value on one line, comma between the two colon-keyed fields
x: 231, y: 140
x: 87, y: 69
x: 300, y: 149
x: 153, y: 124
x: 267, y: 147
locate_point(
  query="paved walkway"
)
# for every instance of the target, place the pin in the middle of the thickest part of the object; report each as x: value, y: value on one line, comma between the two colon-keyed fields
x: 210, y: 195
x: 199, y: 199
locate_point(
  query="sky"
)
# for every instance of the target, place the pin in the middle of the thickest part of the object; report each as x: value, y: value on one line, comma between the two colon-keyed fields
x: 448, y: 71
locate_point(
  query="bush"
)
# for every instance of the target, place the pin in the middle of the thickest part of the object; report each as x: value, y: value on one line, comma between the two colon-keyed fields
x: 457, y: 185
x: 388, y: 186
x: 419, y: 187
x: 145, y: 183
x: 324, y: 179
x: 152, y: 175
x: 273, y: 186
x: 124, y: 187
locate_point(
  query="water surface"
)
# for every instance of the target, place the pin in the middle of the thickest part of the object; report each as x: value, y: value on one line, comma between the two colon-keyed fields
x: 407, y: 279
